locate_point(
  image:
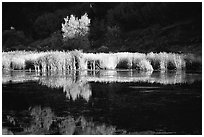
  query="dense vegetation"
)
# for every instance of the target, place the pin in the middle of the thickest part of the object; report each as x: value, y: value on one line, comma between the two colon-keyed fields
x: 61, y: 61
x: 133, y: 27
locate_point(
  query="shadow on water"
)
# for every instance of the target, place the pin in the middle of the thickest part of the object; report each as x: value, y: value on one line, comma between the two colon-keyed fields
x: 102, y: 102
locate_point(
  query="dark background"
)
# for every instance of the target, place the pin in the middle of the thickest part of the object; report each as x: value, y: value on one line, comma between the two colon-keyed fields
x: 132, y: 27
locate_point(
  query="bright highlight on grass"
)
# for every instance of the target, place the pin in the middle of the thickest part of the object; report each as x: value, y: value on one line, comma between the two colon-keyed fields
x: 61, y: 61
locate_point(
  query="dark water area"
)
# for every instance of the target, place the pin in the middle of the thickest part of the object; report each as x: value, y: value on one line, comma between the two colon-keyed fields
x: 102, y: 102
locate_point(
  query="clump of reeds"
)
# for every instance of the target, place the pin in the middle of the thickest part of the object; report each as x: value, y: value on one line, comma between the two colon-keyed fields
x: 16, y: 60
x: 166, y: 61
x: 10, y: 60
x: 106, y: 61
x: 143, y: 65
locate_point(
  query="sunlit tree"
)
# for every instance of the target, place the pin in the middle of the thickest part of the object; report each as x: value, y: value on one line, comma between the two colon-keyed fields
x: 74, y: 27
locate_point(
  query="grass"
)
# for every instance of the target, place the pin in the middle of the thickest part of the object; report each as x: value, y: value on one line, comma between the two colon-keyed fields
x: 62, y: 61
x: 166, y: 61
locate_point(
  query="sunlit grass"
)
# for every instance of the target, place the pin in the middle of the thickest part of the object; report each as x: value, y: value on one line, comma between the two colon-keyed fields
x: 166, y: 61
x: 62, y: 61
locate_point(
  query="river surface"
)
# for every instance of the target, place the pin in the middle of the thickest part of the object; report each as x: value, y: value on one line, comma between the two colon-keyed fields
x: 102, y: 102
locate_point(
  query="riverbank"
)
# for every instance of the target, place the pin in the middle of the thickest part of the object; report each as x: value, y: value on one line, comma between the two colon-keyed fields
x: 73, y: 60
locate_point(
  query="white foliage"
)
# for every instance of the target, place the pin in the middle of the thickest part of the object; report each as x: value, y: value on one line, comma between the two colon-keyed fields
x: 64, y: 61
x: 145, y: 65
x: 74, y: 27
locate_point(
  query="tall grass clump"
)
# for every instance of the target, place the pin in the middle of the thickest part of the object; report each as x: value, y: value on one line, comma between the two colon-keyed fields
x: 124, y: 60
x: 77, y: 58
x: 19, y: 60
x: 143, y: 65
x: 54, y: 61
x: 140, y: 62
x: 105, y: 60
x: 11, y: 61
x: 109, y: 61
x: 166, y: 61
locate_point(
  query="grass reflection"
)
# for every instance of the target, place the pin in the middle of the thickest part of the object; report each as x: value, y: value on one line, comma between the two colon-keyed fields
x: 44, y: 121
x: 75, y: 84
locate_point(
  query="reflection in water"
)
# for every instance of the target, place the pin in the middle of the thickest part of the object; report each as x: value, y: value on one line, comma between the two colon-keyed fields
x: 110, y: 107
x: 172, y: 77
x: 75, y: 83
x: 73, y: 89
x: 44, y: 121
x: 165, y: 78
x: 17, y: 77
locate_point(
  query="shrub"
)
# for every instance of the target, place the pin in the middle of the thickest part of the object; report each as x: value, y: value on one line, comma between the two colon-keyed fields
x: 45, y: 24
x: 76, y: 43
x: 54, y: 42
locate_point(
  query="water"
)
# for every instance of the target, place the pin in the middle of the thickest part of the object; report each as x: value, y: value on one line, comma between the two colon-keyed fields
x: 102, y: 102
